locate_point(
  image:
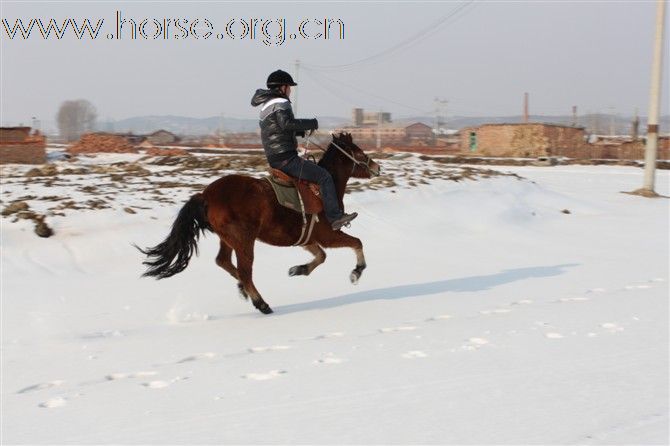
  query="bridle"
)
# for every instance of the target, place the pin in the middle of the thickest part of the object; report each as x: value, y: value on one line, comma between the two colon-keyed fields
x: 356, y: 163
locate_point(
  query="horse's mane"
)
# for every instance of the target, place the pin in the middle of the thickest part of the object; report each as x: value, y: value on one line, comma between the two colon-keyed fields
x: 343, y: 139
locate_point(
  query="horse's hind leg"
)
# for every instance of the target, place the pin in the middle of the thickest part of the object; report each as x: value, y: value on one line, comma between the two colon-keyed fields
x: 339, y: 239
x: 245, y: 261
x: 306, y: 269
x: 224, y: 260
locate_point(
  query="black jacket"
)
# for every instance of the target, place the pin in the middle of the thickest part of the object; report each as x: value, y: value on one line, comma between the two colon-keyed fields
x: 279, y: 127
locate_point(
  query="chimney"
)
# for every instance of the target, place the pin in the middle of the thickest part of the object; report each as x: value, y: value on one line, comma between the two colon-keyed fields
x: 525, y: 108
x: 635, y: 126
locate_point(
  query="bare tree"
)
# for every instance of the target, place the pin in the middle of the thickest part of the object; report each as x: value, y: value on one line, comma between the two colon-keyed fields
x: 75, y: 118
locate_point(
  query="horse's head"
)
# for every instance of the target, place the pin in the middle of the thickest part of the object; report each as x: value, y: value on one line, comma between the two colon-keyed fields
x: 362, y: 165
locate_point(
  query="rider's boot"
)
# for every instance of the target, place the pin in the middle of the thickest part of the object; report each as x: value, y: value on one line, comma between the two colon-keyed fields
x: 344, y: 220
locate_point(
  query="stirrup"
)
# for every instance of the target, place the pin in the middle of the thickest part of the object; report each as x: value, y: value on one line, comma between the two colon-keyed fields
x: 345, y: 221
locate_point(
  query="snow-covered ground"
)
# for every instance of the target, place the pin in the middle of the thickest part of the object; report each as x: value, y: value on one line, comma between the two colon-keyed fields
x: 486, y: 315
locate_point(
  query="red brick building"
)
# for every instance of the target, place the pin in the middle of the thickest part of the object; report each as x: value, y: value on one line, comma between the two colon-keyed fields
x: 18, y: 145
x: 419, y: 131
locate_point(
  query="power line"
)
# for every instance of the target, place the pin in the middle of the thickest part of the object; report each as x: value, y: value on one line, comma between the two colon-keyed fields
x: 323, y: 85
x: 314, y: 76
x: 416, y: 38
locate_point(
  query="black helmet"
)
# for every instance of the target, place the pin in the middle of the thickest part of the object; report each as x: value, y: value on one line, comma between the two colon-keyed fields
x: 279, y: 78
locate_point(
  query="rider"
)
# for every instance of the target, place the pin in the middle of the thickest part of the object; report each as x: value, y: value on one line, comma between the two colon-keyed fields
x: 279, y: 129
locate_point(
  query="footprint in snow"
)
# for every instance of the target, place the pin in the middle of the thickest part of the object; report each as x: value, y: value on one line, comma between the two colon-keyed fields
x: 159, y: 384
x: 596, y: 290
x: 53, y: 403
x: 118, y: 376
x: 553, y: 335
x: 522, y: 302
x: 573, y: 299
x: 103, y: 334
x: 540, y: 324
x: 441, y: 317
x: 496, y: 311
x: 41, y: 386
x: 473, y: 344
x: 337, y: 334
x: 269, y: 349
x: 412, y: 354
x: 636, y: 287
x: 264, y: 376
x: 156, y: 384
x: 329, y: 359
x: 208, y: 355
x: 397, y: 329
x: 611, y: 327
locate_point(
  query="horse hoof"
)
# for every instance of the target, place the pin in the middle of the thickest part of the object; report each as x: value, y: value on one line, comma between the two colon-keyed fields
x: 264, y: 308
x: 354, y: 276
x: 298, y: 270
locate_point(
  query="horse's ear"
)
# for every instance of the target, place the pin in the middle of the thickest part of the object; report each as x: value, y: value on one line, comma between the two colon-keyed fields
x: 349, y: 138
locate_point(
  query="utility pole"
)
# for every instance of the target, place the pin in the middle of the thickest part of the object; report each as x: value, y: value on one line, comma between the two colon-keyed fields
x: 379, y: 124
x: 297, y: 74
x: 222, y: 131
x: 574, y: 116
x: 440, y: 114
x: 635, y: 127
x: 654, y: 104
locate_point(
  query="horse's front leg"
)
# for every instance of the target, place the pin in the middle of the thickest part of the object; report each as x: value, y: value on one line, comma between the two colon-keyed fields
x: 360, y: 265
x: 338, y: 239
x: 305, y: 270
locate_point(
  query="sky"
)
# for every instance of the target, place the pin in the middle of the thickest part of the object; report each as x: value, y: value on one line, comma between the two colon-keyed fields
x: 479, y: 56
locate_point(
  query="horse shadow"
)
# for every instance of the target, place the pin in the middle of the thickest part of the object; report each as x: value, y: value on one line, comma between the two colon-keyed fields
x: 463, y: 284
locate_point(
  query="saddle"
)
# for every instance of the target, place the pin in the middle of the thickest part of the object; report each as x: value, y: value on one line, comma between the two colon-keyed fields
x: 298, y: 195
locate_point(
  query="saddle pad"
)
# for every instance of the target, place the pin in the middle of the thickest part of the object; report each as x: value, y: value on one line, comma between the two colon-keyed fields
x: 287, y: 196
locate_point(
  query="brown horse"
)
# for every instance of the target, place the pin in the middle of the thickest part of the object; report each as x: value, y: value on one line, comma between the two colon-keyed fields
x: 241, y: 209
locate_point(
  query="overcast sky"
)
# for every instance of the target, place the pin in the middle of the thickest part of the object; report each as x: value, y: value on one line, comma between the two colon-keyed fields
x: 596, y: 55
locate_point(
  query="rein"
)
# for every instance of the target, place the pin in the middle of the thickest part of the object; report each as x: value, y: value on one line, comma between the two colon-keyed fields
x: 365, y: 164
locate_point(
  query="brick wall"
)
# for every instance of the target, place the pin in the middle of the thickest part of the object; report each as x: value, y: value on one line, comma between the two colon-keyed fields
x: 28, y: 152
x: 14, y: 134
x: 524, y: 140
x: 560, y: 137
x: 631, y: 150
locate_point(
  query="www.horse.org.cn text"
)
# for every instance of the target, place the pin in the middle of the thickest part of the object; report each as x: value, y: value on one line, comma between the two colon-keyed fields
x: 270, y: 32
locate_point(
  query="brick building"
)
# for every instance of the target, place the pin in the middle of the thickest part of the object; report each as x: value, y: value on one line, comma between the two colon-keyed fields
x: 361, y: 118
x: 391, y: 134
x: 537, y: 139
x: 419, y: 131
x: 162, y: 138
x: 18, y: 145
x: 521, y: 140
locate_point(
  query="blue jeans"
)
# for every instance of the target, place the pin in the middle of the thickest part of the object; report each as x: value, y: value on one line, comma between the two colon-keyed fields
x: 307, y: 170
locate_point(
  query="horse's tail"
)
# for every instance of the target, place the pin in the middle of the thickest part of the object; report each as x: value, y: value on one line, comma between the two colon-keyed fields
x: 172, y: 255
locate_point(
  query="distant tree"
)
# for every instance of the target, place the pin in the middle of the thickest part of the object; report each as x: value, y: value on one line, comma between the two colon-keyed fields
x: 75, y: 118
